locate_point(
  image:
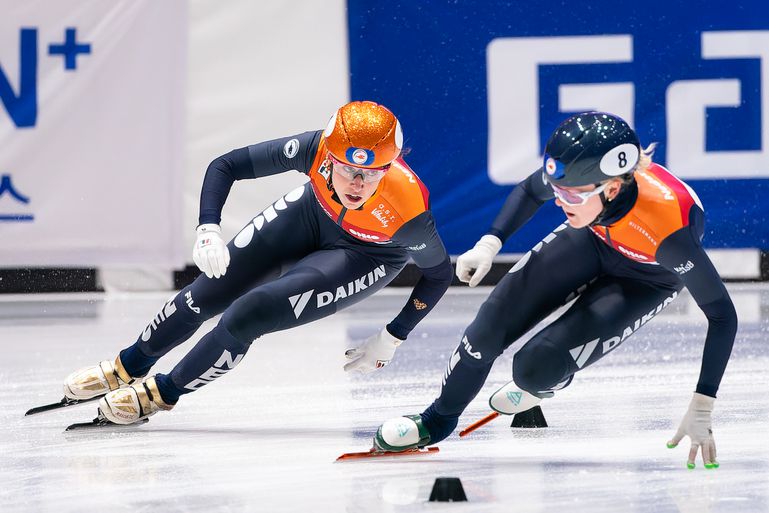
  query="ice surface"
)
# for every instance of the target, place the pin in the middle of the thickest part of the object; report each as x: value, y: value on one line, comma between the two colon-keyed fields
x: 265, y: 436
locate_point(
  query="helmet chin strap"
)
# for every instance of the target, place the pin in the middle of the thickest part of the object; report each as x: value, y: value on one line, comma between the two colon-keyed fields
x: 605, y: 202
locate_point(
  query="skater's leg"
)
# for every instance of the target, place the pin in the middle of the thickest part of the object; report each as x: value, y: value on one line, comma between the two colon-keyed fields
x: 257, y: 254
x: 604, y: 316
x: 319, y: 285
x: 534, y: 288
x: 546, y: 277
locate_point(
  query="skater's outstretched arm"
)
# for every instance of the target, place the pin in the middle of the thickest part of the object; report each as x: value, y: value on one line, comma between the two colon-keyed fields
x: 682, y: 253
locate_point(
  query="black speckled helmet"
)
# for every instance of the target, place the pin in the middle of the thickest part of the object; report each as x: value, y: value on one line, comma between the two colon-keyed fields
x: 590, y: 148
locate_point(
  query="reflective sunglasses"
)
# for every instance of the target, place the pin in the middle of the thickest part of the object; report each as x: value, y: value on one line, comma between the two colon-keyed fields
x: 574, y: 198
x: 369, y: 174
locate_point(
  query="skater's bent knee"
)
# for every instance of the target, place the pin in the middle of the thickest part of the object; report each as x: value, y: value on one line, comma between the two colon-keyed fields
x: 250, y: 317
x: 538, y: 367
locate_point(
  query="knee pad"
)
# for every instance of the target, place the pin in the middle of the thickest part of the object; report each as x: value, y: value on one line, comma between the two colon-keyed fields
x: 538, y: 366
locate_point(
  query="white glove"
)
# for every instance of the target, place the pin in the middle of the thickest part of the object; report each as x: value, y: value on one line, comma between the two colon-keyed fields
x: 373, y: 354
x: 473, y: 265
x: 696, y: 425
x: 210, y: 252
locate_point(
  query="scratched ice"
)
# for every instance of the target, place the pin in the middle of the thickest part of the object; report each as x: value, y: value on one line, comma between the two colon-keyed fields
x: 265, y: 436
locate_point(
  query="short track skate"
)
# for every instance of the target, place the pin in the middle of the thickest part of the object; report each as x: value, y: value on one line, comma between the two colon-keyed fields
x: 373, y: 453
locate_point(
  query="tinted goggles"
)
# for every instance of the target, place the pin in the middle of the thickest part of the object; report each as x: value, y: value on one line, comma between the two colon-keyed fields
x: 369, y: 174
x: 574, y: 198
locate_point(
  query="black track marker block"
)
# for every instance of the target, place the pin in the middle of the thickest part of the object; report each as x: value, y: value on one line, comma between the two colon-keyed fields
x: 448, y: 489
x: 531, y: 418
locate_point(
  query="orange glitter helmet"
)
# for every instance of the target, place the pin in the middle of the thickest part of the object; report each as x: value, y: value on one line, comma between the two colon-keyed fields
x: 364, y: 134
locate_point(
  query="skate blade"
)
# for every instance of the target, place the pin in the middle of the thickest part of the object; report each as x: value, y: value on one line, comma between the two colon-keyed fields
x: 102, y: 423
x: 61, y: 404
x: 373, y: 453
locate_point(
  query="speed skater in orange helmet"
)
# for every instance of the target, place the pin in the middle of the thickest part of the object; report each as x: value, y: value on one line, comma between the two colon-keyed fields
x: 318, y: 249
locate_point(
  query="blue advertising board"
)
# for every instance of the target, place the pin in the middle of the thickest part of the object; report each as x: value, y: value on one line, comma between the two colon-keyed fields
x: 479, y: 86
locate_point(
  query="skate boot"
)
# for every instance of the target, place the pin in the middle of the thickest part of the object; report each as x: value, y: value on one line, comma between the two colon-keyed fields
x: 97, y: 380
x: 510, y: 399
x: 133, y: 404
x: 401, y: 434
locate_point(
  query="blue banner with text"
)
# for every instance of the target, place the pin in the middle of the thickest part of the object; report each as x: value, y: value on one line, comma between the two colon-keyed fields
x: 479, y: 86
